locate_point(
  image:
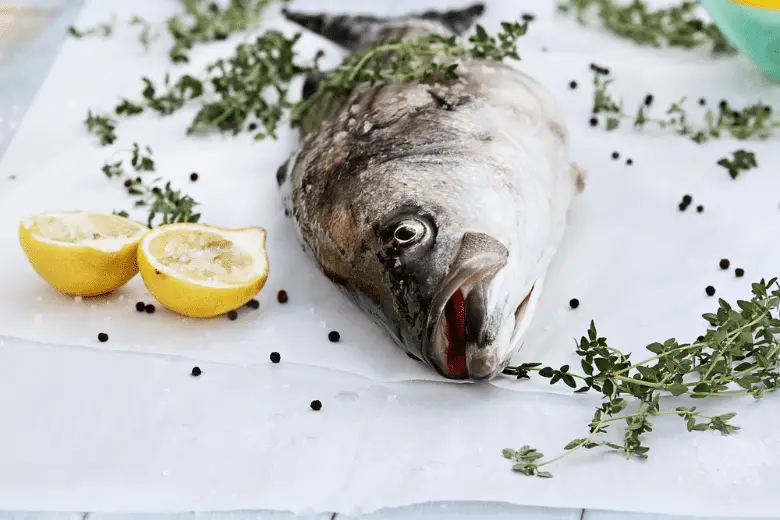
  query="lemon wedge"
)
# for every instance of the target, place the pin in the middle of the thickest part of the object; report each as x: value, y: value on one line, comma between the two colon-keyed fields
x: 201, y: 271
x: 82, y: 253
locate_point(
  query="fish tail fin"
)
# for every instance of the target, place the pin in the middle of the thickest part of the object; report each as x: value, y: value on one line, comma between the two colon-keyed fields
x: 354, y: 32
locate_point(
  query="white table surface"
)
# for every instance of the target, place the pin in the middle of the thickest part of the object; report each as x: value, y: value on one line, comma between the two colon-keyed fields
x: 24, y: 64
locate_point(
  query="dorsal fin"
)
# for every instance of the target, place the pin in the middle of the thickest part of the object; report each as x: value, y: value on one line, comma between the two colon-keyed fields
x: 355, y: 31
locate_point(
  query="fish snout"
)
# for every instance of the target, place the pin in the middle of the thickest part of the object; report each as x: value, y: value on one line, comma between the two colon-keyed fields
x: 462, y: 333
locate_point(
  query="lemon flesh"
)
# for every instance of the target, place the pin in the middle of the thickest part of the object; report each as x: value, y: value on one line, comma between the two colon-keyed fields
x: 82, y: 253
x: 201, y: 271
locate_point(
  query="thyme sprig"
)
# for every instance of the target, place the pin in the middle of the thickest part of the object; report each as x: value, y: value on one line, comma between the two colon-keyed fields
x: 147, y: 35
x: 206, y: 21
x: 101, y: 125
x: 741, y: 160
x: 676, y: 26
x: 738, y: 356
x: 251, y: 87
x: 140, y: 161
x: 104, y: 30
x: 751, y: 122
x: 426, y: 58
x: 164, y: 202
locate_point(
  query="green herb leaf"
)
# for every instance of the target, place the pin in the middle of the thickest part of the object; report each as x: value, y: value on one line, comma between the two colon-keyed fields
x: 676, y: 26
x: 102, y: 126
x: 741, y: 161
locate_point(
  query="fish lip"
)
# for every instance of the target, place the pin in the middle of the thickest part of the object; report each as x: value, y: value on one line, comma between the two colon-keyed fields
x: 464, y: 276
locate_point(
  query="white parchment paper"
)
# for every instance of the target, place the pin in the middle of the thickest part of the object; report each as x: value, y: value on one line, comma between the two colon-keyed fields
x: 121, y: 426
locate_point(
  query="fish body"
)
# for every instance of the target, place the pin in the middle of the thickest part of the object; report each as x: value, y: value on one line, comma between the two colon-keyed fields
x: 436, y: 207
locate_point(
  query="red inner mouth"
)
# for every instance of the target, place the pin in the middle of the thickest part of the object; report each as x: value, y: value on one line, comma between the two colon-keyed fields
x: 454, y: 313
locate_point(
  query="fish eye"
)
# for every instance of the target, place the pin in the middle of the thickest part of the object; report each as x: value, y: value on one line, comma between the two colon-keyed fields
x: 408, y: 232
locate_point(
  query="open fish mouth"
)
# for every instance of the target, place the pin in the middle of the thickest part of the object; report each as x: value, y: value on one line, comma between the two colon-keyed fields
x: 461, y: 349
x: 461, y: 331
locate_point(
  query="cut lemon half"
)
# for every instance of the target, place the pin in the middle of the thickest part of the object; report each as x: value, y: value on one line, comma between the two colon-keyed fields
x: 82, y: 253
x: 201, y: 271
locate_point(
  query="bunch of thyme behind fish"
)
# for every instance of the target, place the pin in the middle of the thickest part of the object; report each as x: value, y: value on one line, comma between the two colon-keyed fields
x: 249, y: 91
x: 675, y: 26
x: 738, y: 356
x: 426, y: 59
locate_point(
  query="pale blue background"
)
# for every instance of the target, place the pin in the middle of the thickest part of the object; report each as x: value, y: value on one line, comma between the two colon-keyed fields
x: 22, y: 69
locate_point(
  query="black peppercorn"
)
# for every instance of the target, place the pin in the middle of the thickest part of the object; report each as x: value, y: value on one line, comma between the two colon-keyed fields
x: 253, y: 304
x: 128, y: 183
x: 615, y: 155
x: 739, y: 272
x: 599, y: 69
x: 629, y: 162
x: 528, y: 17
x: 710, y: 290
x: 572, y: 84
x: 140, y: 307
x: 194, y: 176
x: 102, y: 337
x: 275, y: 357
x: 648, y: 100
x: 220, y: 36
x: 687, y: 199
x: 281, y: 296
x: 702, y: 101
x: 196, y: 371
x: 700, y: 339
x: 334, y: 336
x: 682, y: 206
x: 156, y: 189
x: 594, y: 122
x: 252, y: 127
x: 724, y: 263
x: 149, y: 308
x: 723, y: 105
x: 699, y: 208
x: 574, y: 303
x: 316, y: 405
x: 232, y: 315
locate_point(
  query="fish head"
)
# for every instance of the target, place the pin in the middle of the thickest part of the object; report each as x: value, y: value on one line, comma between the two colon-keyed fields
x: 454, y: 294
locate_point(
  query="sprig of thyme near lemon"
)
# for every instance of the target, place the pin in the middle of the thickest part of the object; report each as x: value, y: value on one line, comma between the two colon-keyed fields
x: 165, y: 205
